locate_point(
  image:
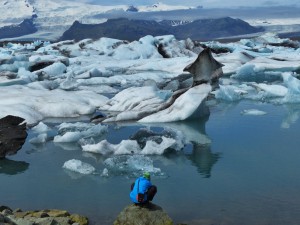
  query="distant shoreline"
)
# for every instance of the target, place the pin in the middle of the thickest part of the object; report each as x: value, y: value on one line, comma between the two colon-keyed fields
x: 295, y: 36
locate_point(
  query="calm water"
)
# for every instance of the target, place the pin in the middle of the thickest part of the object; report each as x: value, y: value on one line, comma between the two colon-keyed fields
x: 248, y: 175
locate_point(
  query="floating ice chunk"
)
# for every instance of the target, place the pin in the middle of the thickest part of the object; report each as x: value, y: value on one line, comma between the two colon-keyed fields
x: 77, y: 131
x: 26, y: 75
x: 104, y: 173
x: 131, y: 165
x: 78, y: 166
x: 104, y: 45
x: 253, y: 112
x: 8, y: 67
x: 136, y: 99
x: 143, y: 49
x: 183, y: 107
x: 54, y: 70
x: 41, y: 138
x: 293, y: 85
x: 273, y: 90
x: 153, y: 148
x: 230, y: 93
x: 104, y: 147
x: 40, y: 128
x: 69, y: 84
x: 145, y: 136
x: 79, y: 126
x: 68, y: 137
x: 127, y: 147
x: 174, y: 48
x: 253, y: 72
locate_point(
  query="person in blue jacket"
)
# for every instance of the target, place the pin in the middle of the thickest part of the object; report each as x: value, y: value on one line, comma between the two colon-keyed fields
x: 142, y: 190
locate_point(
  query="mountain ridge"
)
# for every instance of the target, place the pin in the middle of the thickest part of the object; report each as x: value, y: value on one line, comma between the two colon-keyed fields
x: 126, y: 29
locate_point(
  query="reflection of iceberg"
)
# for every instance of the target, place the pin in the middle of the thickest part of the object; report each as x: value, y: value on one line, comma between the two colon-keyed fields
x: 293, y: 114
x: 11, y: 167
x: 204, y: 159
x: 192, y: 130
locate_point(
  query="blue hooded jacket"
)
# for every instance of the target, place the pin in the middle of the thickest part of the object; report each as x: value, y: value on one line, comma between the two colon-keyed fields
x: 144, y: 185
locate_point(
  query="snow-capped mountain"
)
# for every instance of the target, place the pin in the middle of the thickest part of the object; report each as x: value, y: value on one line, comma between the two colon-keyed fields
x: 14, y: 11
x: 53, y: 17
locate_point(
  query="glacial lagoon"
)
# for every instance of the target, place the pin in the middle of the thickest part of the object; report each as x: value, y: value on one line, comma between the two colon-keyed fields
x: 245, y: 171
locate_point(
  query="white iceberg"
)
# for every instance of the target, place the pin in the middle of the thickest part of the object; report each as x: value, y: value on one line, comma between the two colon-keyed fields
x: 253, y: 112
x: 184, y: 106
x: 40, y: 128
x: 79, y: 166
x: 75, y: 132
x: 41, y: 138
x: 131, y: 165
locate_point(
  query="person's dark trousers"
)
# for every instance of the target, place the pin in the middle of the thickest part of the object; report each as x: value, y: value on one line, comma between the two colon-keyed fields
x: 150, y: 193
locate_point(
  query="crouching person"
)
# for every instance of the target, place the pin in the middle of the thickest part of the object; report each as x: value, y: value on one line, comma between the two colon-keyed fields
x: 142, y: 190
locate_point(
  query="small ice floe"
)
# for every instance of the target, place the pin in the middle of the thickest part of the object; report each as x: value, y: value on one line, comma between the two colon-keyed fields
x: 73, y: 132
x: 144, y: 141
x: 253, y: 112
x: 131, y: 165
x: 105, y: 148
x: 41, y: 138
x: 104, y: 173
x: 78, y: 166
x: 130, y: 147
x: 40, y: 128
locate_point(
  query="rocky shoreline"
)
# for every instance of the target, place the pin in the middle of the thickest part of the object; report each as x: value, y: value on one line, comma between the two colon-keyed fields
x: 40, y: 217
x: 148, y: 214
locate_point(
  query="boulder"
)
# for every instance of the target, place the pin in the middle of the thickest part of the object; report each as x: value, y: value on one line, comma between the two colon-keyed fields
x: 12, y: 135
x: 149, y: 214
x: 41, y: 217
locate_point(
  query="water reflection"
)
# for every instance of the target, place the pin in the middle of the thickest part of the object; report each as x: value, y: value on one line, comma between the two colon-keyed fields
x: 203, y: 158
x: 293, y: 114
x: 11, y: 167
x: 194, y: 135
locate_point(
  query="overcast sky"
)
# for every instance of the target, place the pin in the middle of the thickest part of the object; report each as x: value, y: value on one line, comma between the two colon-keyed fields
x: 204, y: 3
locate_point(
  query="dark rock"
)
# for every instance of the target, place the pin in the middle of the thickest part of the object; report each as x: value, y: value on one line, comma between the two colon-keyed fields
x: 131, y: 8
x: 12, y: 135
x: 3, y: 207
x: 2, y: 219
x: 149, y: 214
x: 26, y: 27
x: 7, y: 212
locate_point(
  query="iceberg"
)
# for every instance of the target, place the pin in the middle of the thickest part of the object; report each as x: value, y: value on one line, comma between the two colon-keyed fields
x: 73, y: 132
x: 104, y: 148
x: 41, y: 138
x: 132, y: 166
x: 253, y: 112
x: 184, y: 106
x: 79, y: 166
